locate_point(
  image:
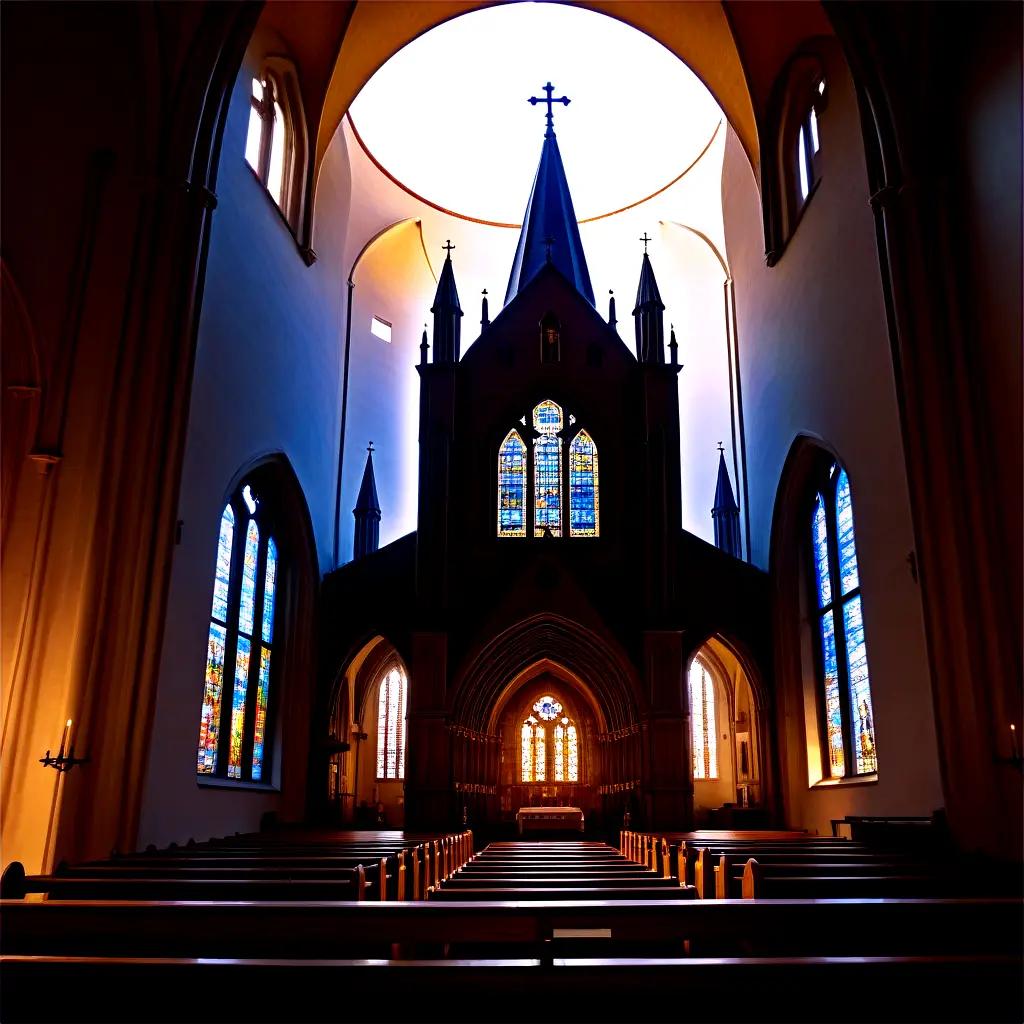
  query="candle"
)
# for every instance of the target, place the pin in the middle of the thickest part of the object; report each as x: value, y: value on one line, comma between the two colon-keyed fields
x: 1013, y: 742
x: 64, y: 740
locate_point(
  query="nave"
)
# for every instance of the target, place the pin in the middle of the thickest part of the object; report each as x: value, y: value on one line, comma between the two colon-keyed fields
x: 296, y: 924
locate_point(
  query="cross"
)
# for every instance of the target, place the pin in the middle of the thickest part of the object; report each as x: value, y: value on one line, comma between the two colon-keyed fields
x: 369, y: 447
x: 721, y: 447
x: 645, y: 240
x: 448, y: 247
x: 549, y: 89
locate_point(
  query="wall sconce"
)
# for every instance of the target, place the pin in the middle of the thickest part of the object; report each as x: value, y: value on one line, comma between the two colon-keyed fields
x: 1015, y: 759
x: 63, y: 762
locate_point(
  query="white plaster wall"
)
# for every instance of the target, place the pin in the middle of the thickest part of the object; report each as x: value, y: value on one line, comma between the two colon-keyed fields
x: 815, y: 359
x: 267, y: 379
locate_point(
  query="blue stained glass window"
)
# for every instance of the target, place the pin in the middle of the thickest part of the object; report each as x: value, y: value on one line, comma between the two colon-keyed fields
x: 512, y: 486
x: 584, y: 508
x: 820, y: 531
x: 247, y: 607
x: 547, y: 497
x: 833, y: 712
x: 269, y: 589
x: 547, y: 417
x: 849, y: 579
x: 262, y: 694
x: 861, y: 713
x: 548, y: 708
x: 238, y: 707
x: 222, y: 579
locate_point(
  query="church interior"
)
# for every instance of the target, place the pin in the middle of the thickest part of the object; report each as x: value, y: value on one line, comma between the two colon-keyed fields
x: 530, y: 489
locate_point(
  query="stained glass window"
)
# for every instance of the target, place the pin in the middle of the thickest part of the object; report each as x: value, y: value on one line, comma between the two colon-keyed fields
x: 846, y: 691
x: 539, y: 754
x: 547, y: 417
x: 573, y: 754
x: 559, y: 753
x: 391, y: 728
x: 267, y: 139
x: 526, y: 762
x: 547, y: 487
x: 703, y: 723
x: 244, y: 592
x: 512, y: 486
x: 547, y: 708
x: 583, y: 487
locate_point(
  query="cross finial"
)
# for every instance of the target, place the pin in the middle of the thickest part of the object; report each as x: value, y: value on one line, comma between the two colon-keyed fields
x: 534, y: 100
x: 645, y: 240
x: 448, y: 247
x: 369, y: 447
x: 721, y: 447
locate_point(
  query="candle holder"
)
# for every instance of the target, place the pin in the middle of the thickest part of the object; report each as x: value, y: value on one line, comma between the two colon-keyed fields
x: 62, y: 762
x: 1015, y: 759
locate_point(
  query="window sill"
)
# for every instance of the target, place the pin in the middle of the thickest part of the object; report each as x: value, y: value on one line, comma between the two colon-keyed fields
x: 306, y: 252
x: 853, y: 780
x: 212, y: 782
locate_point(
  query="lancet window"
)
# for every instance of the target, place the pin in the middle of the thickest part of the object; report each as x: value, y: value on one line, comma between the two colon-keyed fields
x: 848, y: 715
x: 541, y: 483
x: 391, y: 730
x: 703, y: 722
x: 234, y: 726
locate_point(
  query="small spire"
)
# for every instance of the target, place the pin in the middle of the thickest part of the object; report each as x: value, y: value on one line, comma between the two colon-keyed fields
x: 726, y: 513
x: 648, y: 317
x: 612, y: 319
x: 424, y: 345
x: 367, y: 511
x: 673, y: 346
x: 485, y: 317
x: 447, y: 313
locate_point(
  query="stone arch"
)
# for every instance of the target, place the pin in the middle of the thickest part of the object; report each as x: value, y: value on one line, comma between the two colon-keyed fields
x: 556, y: 641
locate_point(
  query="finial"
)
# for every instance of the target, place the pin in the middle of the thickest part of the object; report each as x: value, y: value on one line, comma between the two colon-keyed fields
x: 645, y: 240
x: 485, y: 316
x: 673, y: 345
x: 369, y: 447
x: 534, y: 100
x: 612, y: 319
x: 548, y: 242
x: 721, y: 447
x: 424, y: 345
x: 448, y: 247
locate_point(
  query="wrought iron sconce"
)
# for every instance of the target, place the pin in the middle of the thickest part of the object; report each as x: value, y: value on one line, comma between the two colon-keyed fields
x: 63, y: 762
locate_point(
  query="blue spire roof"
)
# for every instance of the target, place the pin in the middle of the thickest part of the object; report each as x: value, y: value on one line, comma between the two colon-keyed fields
x: 724, y: 500
x: 550, y: 232
x: 368, y: 502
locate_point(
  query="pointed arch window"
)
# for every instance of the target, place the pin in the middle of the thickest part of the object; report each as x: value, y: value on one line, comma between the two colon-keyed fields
x: 584, y: 511
x: 847, y: 710
x: 233, y: 728
x: 542, y: 483
x: 275, y: 144
x: 512, y: 486
x: 549, y: 744
x: 391, y: 727
x: 703, y: 722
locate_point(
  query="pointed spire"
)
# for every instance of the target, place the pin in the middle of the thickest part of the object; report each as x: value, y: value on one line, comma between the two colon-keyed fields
x: 447, y: 313
x: 367, y: 511
x: 485, y: 316
x: 424, y: 346
x: 650, y: 324
x: 673, y: 345
x: 612, y: 319
x: 550, y: 232
x: 726, y: 513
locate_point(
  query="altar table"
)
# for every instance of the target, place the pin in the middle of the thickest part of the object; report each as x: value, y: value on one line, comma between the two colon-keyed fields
x: 549, y: 818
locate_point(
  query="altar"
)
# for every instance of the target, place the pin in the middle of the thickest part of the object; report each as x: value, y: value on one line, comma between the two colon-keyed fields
x: 549, y: 819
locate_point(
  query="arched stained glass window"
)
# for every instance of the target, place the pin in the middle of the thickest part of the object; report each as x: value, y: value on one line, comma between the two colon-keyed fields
x: 584, y: 512
x: 704, y: 724
x: 549, y: 744
x: 391, y: 729
x: 846, y: 690
x: 518, y: 482
x: 233, y: 734
x: 512, y: 486
x: 567, y: 759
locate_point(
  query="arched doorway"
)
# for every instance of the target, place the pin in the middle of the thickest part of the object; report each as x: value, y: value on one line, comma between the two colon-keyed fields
x: 727, y: 739
x: 368, y: 738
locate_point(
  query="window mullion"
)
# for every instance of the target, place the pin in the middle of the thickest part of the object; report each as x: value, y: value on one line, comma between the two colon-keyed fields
x: 267, y: 130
